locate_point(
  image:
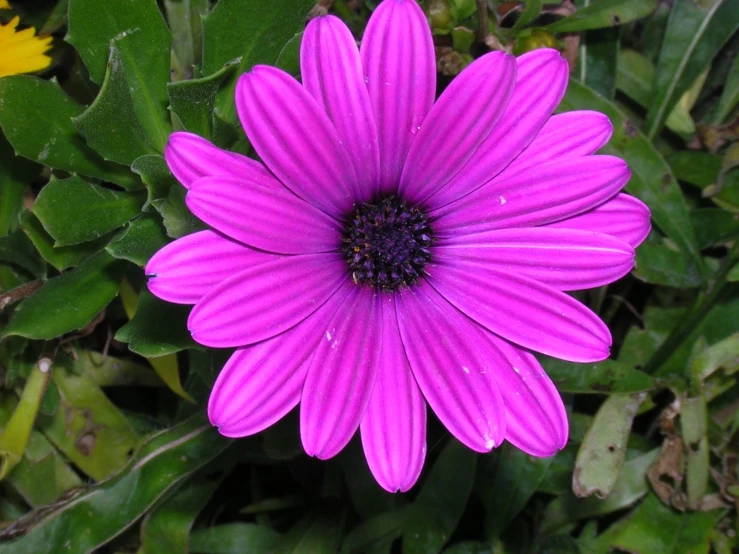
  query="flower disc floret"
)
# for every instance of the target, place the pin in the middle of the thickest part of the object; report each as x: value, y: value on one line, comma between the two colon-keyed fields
x: 387, y: 244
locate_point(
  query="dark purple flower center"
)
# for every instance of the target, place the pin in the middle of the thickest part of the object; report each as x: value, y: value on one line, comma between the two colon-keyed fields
x: 386, y: 244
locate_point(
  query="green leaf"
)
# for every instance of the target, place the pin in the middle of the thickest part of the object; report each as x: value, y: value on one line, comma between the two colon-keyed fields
x: 155, y: 174
x: 108, y: 371
x: 661, y: 265
x: 651, y: 180
x: 696, y: 31
x: 178, y: 219
x: 42, y: 475
x: 68, y: 302
x: 62, y: 257
x: 193, y: 100
x: 630, y: 486
x: 158, y: 328
x: 109, y: 125
x: 506, y: 481
x: 602, y: 14
x: 74, y: 211
x: 162, y: 463
x: 374, y: 533
x: 730, y: 95
x: 88, y: 428
x: 634, y: 78
x: 16, y: 174
x: 655, y: 527
x: 713, y: 226
x: 603, y: 451
x: 183, y: 17
x: 17, y: 249
x: 606, y: 377
x: 316, y: 533
x: 253, y: 30
x: 233, y: 538
x: 137, y: 30
x: 166, y: 530
x: 531, y: 11
x: 30, y: 105
x: 289, y: 58
x: 437, y: 509
x: 140, y: 240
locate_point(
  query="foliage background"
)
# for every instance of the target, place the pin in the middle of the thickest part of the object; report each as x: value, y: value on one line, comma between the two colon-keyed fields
x: 108, y: 449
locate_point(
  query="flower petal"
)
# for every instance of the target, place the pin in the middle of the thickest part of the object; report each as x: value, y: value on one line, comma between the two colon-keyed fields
x: 541, y: 83
x: 400, y: 71
x: 186, y: 269
x: 567, y: 135
x: 623, y: 216
x: 332, y: 72
x: 565, y: 259
x: 442, y: 346
x: 535, y: 197
x: 463, y: 116
x: 268, y: 219
x: 394, y: 426
x: 261, y: 383
x: 265, y: 300
x: 296, y: 139
x: 191, y: 157
x: 342, y: 375
x: 536, y: 417
x: 523, y: 311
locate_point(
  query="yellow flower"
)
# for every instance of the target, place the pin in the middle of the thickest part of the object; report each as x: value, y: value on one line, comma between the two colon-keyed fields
x: 4, y: 5
x: 22, y: 51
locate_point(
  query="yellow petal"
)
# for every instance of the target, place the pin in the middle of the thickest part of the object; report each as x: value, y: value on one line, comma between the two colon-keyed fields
x: 22, y: 51
x: 4, y: 5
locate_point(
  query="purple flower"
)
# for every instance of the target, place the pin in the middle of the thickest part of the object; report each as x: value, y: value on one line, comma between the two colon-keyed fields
x: 393, y: 252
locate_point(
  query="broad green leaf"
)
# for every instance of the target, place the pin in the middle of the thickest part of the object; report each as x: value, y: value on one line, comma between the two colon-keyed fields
x: 178, y: 219
x: 316, y: 533
x: 531, y: 10
x: 42, y: 475
x: 661, y: 265
x: 506, y: 481
x: 375, y: 533
x: 108, y: 371
x: 193, y: 100
x: 713, y: 226
x: 161, y: 464
x: 713, y: 358
x: 605, y: 13
x: 253, y: 30
x: 166, y: 530
x: 158, y: 328
x: 88, y: 428
x: 598, y: 56
x: 74, y: 211
x: 183, y: 17
x: 61, y: 257
x: 289, y: 58
x: 17, y: 249
x: 634, y: 78
x: 137, y: 30
x: 367, y: 497
x: 652, y: 180
x: 655, y: 527
x: 603, y: 451
x: 630, y: 486
x: 110, y: 125
x: 606, y: 377
x: 155, y: 174
x: 140, y: 240
x: 730, y: 95
x: 16, y: 432
x: 68, y: 302
x: 694, y: 427
x: 696, y: 31
x: 30, y: 105
x: 437, y: 509
x: 16, y: 174
x: 233, y: 538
